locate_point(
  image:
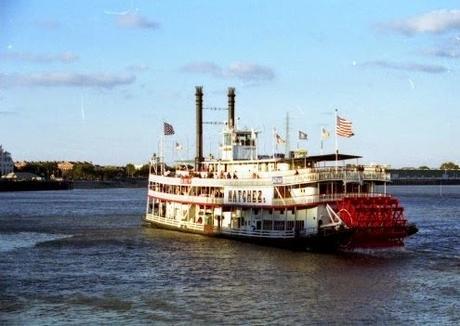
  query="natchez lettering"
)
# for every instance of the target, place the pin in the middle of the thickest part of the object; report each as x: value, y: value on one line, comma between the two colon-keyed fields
x: 246, y: 196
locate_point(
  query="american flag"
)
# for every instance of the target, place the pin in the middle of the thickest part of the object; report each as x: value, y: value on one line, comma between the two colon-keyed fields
x: 303, y: 135
x: 168, y: 129
x: 343, y: 127
x: 278, y: 139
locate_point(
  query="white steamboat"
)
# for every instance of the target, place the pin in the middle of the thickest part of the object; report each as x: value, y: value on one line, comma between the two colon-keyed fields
x: 320, y: 202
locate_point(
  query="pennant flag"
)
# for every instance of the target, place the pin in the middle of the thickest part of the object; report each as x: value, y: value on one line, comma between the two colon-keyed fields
x: 324, y: 134
x: 343, y: 127
x: 303, y: 135
x: 278, y: 139
x: 168, y: 129
x: 178, y: 147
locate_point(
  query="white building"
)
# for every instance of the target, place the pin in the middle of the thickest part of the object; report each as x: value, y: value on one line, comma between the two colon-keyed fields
x: 6, y: 162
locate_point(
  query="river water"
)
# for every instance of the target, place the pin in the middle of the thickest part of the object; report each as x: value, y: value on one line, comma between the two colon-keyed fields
x: 82, y: 256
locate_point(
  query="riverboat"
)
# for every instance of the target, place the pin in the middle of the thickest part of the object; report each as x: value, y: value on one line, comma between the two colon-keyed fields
x: 321, y: 202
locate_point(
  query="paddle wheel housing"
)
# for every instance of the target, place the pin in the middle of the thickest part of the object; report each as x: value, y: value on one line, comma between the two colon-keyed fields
x: 376, y: 221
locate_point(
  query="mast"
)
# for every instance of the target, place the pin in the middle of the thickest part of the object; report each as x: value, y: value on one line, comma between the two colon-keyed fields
x: 336, y: 143
x: 286, y: 150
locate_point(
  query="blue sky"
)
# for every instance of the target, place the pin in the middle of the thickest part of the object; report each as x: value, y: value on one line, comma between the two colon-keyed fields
x: 93, y: 80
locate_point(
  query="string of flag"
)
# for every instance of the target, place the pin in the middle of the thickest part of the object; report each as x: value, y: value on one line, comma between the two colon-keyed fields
x: 344, y: 128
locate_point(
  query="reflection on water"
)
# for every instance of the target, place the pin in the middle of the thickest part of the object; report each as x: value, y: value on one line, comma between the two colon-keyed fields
x: 108, y: 266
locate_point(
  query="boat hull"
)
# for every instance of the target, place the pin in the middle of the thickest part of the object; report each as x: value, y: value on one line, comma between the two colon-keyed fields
x: 321, y: 242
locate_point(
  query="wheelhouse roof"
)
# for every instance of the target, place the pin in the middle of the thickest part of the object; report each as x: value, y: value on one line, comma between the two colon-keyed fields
x: 325, y: 157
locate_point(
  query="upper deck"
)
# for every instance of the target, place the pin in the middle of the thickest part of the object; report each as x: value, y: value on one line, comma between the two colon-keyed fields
x: 287, y: 177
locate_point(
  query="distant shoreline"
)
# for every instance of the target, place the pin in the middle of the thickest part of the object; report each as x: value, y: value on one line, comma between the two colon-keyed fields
x: 425, y: 182
x: 128, y: 183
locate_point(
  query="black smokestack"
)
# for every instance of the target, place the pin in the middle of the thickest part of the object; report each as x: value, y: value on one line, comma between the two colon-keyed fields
x: 231, y: 107
x: 199, y: 126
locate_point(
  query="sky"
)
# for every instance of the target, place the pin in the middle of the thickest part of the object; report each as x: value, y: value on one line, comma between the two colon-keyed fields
x: 95, y: 80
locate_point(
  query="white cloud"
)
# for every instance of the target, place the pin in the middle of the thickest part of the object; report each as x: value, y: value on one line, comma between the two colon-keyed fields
x: 407, y: 66
x: 437, y: 21
x: 138, y: 68
x: 48, y: 24
x: 64, y: 57
x: 64, y: 79
x: 451, y: 52
x: 250, y: 71
x: 240, y: 70
x: 203, y: 67
x: 134, y: 20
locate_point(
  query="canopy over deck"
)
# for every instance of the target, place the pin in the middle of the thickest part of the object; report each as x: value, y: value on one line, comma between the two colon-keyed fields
x: 323, y: 158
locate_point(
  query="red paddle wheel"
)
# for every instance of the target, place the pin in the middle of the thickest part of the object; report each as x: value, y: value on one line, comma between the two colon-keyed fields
x: 377, y: 221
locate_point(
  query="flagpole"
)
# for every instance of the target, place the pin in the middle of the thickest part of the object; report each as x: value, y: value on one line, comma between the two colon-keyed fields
x: 161, y: 155
x: 188, y: 154
x: 336, y: 143
x: 273, y: 143
x: 286, y: 144
x: 173, y: 147
x: 321, y: 134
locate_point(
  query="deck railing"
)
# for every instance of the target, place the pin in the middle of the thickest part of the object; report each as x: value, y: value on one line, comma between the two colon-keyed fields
x: 175, y: 223
x: 281, y: 177
x: 323, y: 198
x: 273, y: 234
x: 277, y: 202
x: 187, y: 198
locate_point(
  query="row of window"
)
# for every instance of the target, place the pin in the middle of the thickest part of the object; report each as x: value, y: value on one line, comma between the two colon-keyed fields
x: 185, y: 190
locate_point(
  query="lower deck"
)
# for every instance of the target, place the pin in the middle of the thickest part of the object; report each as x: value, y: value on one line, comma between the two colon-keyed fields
x: 322, y: 240
x: 238, y: 220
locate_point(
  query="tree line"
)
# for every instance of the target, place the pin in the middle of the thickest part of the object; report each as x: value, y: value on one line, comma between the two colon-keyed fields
x: 84, y: 171
x: 444, y: 166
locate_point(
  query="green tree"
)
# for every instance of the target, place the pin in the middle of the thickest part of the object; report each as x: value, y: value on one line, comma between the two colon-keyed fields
x: 424, y: 167
x: 143, y: 172
x: 44, y: 169
x: 130, y: 169
x: 83, y: 171
x: 449, y: 166
x: 110, y: 172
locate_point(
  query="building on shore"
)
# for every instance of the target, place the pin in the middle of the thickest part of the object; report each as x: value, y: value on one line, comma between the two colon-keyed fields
x: 65, y: 166
x: 19, y: 165
x: 6, y: 162
x: 22, y: 176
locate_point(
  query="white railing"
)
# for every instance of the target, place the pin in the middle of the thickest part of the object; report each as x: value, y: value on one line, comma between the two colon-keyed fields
x: 298, y: 200
x: 187, y: 198
x: 288, y: 177
x: 175, y: 223
x: 272, y: 234
x: 324, y: 198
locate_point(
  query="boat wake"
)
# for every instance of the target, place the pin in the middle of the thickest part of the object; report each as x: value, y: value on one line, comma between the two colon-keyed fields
x: 13, y: 241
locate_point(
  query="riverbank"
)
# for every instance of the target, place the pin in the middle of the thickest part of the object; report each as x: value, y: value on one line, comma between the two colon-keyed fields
x: 34, y: 185
x: 425, y: 182
x: 99, y: 184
